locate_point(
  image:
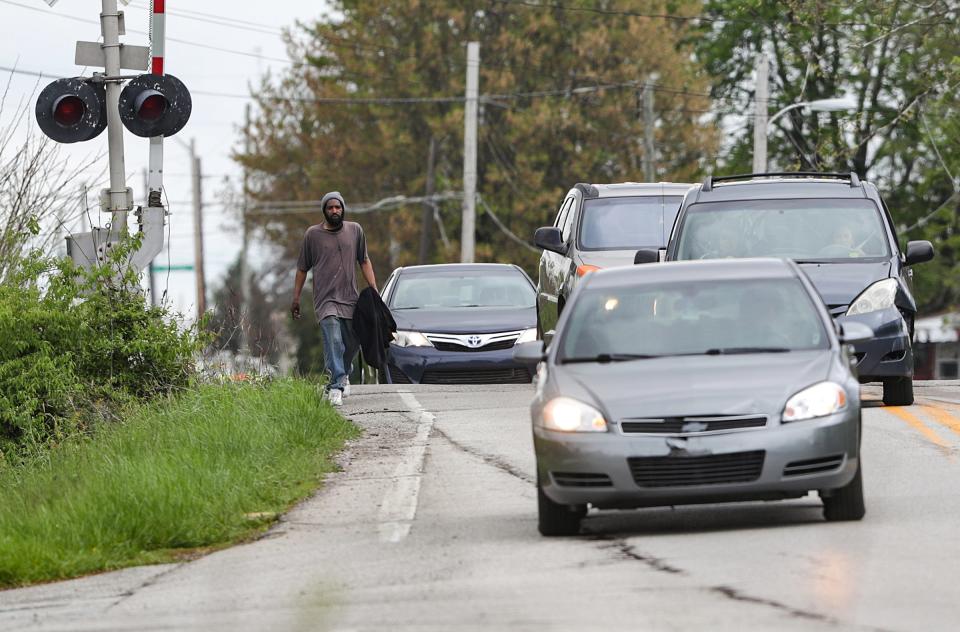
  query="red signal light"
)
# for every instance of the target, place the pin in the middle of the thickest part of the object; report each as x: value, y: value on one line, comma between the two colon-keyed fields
x: 69, y: 110
x: 152, y: 107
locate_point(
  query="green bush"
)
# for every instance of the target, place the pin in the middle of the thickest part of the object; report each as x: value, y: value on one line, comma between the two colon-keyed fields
x: 75, y: 344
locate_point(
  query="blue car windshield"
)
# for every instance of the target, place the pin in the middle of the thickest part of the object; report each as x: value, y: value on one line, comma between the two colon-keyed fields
x: 619, y: 223
x: 692, y: 318
x: 802, y: 229
x: 448, y: 290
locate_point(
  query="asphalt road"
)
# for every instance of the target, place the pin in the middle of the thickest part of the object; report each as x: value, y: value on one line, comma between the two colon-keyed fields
x: 431, y: 524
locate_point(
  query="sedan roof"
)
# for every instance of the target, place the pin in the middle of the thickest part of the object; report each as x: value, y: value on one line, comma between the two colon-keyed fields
x: 780, y: 188
x: 625, y: 189
x: 679, y: 271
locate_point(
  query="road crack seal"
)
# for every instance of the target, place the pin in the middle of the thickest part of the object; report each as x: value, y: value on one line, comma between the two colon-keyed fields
x: 625, y: 551
x: 736, y: 595
x: 489, y: 459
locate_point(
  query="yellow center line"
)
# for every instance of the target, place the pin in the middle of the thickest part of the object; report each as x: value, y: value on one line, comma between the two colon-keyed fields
x: 917, y: 424
x: 943, y: 417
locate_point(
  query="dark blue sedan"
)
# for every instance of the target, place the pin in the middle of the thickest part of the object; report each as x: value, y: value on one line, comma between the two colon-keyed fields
x: 458, y: 323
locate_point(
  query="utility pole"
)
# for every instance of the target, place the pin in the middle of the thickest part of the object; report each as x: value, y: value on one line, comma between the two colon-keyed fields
x: 198, y: 231
x: 468, y: 228
x: 118, y: 202
x: 245, y: 286
x: 428, y: 205
x: 760, y: 117
x: 649, y: 126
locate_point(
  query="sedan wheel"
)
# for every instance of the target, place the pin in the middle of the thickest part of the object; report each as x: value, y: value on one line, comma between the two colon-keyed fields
x: 555, y: 519
x: 846, y: 503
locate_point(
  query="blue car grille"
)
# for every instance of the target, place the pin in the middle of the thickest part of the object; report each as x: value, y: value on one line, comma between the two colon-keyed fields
x: 684, y: 471
x: 476, y: 376
x: 493, y: 346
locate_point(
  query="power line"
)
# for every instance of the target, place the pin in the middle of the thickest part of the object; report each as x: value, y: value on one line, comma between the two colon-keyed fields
x: 218, y: 20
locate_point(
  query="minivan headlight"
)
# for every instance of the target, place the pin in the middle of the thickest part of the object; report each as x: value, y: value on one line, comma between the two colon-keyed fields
x: 819, y: 400
x: 878, y: 296
x: 569, y: 415
x: 410, y: 339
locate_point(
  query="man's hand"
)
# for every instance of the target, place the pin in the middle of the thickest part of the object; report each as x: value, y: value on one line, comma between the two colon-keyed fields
x: 295, y: 309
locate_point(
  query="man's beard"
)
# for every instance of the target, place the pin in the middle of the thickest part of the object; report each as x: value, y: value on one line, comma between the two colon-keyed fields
x: 334, y: 221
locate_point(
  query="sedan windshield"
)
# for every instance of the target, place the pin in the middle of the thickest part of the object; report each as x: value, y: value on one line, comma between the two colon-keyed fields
x: 446, y: 290
x: 627, y: 222
x: 805, y: 229
x: 692, y: 318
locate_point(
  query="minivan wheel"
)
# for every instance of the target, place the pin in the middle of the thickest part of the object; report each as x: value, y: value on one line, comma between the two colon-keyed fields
x: 845, y: 503
x: 898, y: 391
x: 555, y: 519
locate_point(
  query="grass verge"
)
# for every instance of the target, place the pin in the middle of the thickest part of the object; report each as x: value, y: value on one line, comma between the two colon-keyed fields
x: 206, y: 468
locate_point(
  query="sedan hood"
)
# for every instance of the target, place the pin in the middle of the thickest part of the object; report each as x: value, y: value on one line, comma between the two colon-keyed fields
x: 466, y: 320
x: 694, y: 385
x: 840, y: 283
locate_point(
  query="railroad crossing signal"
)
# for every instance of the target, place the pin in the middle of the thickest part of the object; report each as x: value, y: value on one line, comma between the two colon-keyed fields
x: 72, y: 110
x: 155, y: 105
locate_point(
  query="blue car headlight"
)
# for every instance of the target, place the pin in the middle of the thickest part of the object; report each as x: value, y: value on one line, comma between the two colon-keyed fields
x: 410, y: 339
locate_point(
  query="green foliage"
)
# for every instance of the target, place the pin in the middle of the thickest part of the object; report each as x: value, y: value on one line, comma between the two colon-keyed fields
x: 202, y: 468
x: 74, y: 345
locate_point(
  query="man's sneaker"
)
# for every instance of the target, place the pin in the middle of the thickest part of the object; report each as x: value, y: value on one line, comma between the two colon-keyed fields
x: 335, y: 397
x: 346, y: 389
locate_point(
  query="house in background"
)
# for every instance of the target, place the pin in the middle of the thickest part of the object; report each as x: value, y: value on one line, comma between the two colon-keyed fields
x: 936, y: 347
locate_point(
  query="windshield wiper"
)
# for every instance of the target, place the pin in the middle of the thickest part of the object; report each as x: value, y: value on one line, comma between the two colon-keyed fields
x: 736, y: 350
x: 610, y: 357
x: 399, y: 308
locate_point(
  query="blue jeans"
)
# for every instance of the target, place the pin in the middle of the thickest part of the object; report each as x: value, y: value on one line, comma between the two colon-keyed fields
x: 339, y: 349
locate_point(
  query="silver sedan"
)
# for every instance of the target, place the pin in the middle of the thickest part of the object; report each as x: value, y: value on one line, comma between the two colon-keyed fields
x: 695, y: 382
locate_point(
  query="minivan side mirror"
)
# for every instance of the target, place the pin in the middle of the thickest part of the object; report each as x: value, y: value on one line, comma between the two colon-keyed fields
x: 529, y: 353
x: 852, y: 332
x: 646, y: 255
x: 918, y: 252
x: 550, y: 238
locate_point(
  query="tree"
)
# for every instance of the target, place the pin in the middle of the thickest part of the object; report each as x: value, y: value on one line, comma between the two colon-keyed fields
x: 560, y: 106
x: 897, y: 58
x: 229, y: 323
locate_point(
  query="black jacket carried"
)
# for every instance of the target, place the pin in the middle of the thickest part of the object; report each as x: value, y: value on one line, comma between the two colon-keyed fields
x: 373, y: 326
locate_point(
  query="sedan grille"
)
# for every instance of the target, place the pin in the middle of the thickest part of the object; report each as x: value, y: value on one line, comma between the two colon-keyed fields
x: 474, y: 342
x: 476, y: 376
x: 581, y: 479
x: 813, y: 466
x: 691, y: 425
x: 682, y: 471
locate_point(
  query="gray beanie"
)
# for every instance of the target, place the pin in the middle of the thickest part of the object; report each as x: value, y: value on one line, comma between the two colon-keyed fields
x: 333, y: 195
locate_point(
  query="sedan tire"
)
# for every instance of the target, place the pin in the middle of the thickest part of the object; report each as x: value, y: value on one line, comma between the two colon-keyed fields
x: 898, y: 391
x: 846, y: 503
x: 555, y: 519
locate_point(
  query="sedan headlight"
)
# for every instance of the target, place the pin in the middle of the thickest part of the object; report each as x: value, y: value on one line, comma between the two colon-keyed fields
x: 878, y: 296
x: 528, y: 335
x: 815, y: 401
x: 569, y: 415
x: 410, y: 339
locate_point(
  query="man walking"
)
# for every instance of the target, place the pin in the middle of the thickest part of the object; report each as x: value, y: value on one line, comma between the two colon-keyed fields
x: 332, y: 250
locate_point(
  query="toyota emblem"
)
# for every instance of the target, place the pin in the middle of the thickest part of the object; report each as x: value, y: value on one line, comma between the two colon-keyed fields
x: 473, y: 341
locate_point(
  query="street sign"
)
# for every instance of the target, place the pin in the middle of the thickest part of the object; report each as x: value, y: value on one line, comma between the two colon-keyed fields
x: 178, y: 268
x: 131, y: 57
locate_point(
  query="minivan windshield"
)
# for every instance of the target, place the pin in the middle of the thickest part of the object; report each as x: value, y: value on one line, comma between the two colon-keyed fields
x: 619, y: 223
x: 692, y: 318
x: 453, y: 290
x: 803, y: 229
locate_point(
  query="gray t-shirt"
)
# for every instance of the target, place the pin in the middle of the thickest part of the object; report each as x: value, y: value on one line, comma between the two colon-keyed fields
x: 333, y: 256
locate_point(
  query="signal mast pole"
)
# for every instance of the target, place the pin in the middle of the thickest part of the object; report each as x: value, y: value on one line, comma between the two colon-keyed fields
x: 157, y: 44
x: 118, y: 202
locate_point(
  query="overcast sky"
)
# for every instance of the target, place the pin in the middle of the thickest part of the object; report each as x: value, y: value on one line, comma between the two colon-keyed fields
x: 37, y: 38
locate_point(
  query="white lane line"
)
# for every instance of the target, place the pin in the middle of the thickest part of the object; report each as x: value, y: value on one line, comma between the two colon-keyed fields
x: 399, y: 506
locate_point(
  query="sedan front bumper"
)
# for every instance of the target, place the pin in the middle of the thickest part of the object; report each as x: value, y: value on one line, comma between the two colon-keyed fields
x: 428, y: 365
x: 615, y: 470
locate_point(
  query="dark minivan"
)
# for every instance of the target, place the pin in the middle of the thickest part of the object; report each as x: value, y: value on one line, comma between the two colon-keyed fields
x: 840, y: 231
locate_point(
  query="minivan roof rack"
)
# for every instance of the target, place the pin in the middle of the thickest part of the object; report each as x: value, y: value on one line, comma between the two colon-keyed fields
x: 588, y: 190
x: 851, y: 177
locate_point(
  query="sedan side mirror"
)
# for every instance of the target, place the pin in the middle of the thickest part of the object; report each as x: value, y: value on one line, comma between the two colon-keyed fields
x: 918, y: 252
x: 529, y: 353
x: 853, y: 332
x: 550, y: 238
x: 646, y: 255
